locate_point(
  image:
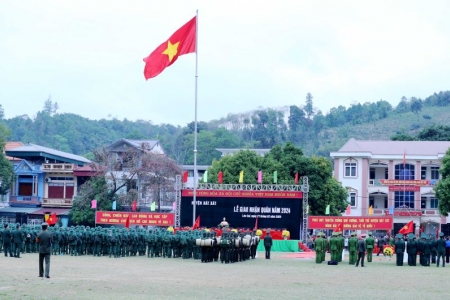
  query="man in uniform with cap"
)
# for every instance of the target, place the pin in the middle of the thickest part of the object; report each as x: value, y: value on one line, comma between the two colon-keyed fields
x: 399, y: 249
x: 440, y: 247
x: 319, y: 247
x: 334, y: 247
x: 7, y: 241
x: 361, y: 251
x: 370, y: 244
x: 411, y: 249
x: 352, y: 248
x: 44, y: 239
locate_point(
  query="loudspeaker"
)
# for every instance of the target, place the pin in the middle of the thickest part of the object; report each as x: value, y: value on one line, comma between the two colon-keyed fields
x: 332, y: 263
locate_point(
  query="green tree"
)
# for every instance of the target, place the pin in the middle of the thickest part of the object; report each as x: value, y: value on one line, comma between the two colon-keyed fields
x: 416, y: 105
x: 6, y: 168
x: 309, y: 109
x: 442, y: 188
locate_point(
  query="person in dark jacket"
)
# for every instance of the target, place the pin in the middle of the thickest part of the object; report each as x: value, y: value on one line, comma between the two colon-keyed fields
x: 380, y: 245
x: 399, y: 249
x: 268, y: 244
x: 7, y: 241
x: 361, y: 247
x: 17, y: 236
x: 44, y: 239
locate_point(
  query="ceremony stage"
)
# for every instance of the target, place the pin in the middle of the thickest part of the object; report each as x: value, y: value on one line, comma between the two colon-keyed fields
x: 281, y: 246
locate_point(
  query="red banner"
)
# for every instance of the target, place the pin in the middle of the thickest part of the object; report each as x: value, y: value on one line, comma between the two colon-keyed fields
x: 406, y: 188
x: 404, y: 182
x: 351, y: 223
x: 405, y: 213
x: 243, y: 194
x: 144, y: 219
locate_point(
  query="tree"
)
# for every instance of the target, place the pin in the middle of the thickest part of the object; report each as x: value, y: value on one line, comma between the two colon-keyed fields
x: 2, y: 112
x: 442, y: 188
x: 416, y: 105
x: 309, y: 109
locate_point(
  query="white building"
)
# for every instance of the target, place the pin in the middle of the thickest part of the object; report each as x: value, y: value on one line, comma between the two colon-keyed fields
x: 396, y: 176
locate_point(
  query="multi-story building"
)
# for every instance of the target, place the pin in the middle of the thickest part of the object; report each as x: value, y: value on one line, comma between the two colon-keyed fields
x: 393, y: 178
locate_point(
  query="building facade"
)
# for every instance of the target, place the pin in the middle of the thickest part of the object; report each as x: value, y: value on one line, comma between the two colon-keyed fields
x: 393, y: 178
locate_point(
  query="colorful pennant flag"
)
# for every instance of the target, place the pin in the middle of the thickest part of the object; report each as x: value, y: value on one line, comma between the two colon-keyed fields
x: 370, y: 211
x: 46, y: 216
x: 174, y: 205
x: 220, y: 177
x: 185, y: 176
x: 327, y: 209
x: 348, y: 211
x: 296, y: 178
x: 339, y: 227
x: 275, y: 177
x: 241, y: 177
x: 127, y: 222
x: 205, y: 176
x: 391, y: 210
x: 94, y: 204
x: 260, y: 176
x: 114, y: 205
x: 134, y: 206
x: 256, y: 224
x: 153, y: 206
x: 181, y: 42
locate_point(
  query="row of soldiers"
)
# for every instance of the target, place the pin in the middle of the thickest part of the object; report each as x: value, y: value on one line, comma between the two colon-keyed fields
x: 335, y: 245
x: 157, y: 242
x: 427, y: 247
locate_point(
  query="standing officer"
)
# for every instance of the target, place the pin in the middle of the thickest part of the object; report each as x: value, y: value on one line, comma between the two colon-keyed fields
x: 399, y: 249
x: 440, y: 247
x: 268, y: 244
x: 370, y: 244
x: 44, y: 239
x: 7, y: 241
x: 361, y: 251
x: 411, y: 249
x: 380, y: 245
x: 318, y: 247
x: 17, y: 235
x: 352, y: 248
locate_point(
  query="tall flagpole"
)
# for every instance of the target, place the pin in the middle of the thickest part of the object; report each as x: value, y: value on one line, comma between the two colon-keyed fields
x: 195, y: 120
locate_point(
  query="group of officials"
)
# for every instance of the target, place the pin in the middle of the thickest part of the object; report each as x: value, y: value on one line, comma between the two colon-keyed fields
x: 430, y: 250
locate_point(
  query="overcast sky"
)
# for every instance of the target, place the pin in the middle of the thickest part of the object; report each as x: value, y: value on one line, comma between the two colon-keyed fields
x: 88, y: 55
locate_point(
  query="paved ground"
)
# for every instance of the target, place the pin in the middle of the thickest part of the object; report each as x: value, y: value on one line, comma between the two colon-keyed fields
x: 285, y: 276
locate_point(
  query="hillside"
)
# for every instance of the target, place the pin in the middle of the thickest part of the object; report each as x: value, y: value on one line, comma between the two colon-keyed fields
x: 316, y: 133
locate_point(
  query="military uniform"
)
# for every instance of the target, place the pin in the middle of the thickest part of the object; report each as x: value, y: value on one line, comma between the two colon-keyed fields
x: 352, y: 248
x: 411, y: 249
x: 399, y: 249
x: 440, y: 247
x: 319, y: 247
x: 370, y: 244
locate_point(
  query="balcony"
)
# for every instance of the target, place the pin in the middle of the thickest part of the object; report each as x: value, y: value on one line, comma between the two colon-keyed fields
x: 57, y: 202
x: 24, y: 200
x: 60, y: 168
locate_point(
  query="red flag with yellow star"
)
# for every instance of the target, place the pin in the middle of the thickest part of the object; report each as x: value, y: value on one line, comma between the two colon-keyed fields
x: 408, y: 228
x: 181, y: 42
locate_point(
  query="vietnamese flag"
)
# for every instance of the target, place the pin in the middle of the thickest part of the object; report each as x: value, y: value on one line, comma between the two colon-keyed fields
x: 220, y: 177
x: 181, y: 42
x: 296, y: 178
x: 127, y: 222
x: 185, y: 176
x: 408, y: 228
x: 52, y: 219
x: 133, y: 206
x: 196, y: 223
x: 339, y: 228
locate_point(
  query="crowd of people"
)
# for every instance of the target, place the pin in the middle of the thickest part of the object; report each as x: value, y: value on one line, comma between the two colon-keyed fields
x: 361, y: 248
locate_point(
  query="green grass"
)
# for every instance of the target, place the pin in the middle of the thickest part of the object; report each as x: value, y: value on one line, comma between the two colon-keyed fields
x: 88, y: 277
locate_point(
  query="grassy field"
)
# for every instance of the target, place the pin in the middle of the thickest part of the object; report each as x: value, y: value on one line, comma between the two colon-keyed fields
x: 88, y: 277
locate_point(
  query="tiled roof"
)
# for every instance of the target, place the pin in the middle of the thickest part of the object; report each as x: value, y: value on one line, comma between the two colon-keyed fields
x: 397, y: 147
x: 10, y: 146
x: 37, y: 148
x: 138, y: 143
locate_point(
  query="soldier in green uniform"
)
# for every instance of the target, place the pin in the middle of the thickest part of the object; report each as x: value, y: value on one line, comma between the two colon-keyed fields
x: 440, y: 247
x: 352, y: 248
x: 411, y: 249
x: 427, y: 251
x: 18, y: 240
x: 433, y: 250
x: 318, y: 247
x: 370, y: 244
x: 341, y: 244
x: 399, y: 249
x: 334, y: 247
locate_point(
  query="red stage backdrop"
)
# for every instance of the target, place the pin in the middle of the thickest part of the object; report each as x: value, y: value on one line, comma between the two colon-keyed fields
x: 149, y: 219
x: 350, y: 223
x: 242, y: 194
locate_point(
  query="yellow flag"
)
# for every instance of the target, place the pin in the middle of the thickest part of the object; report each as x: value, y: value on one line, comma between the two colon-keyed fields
x: 46, y: 216
x: 241, y: 177
x: 370, y: 210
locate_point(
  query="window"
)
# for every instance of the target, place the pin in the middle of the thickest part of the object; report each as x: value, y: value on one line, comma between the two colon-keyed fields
x: 404, y: 172
x: 350, y: 169
x: 386, y: 202
x: 404, y: 199
x: 423, y: 202
x: 434, y: 173
x: 372, y: 173
x: 372, y: 201
x: 423, y: 173
x: 386, y: 173
x: 352, y: 199
x: 434, y: 203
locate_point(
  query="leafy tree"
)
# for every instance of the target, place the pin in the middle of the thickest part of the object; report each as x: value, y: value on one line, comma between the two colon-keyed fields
x: 2, y: 112
x: 403, y: 106
x: 416, y: 105
x: 442, y: 188
x: 402, y: 137
x: 6, y: 168
x: 309, y: 109
x: 434, y: 133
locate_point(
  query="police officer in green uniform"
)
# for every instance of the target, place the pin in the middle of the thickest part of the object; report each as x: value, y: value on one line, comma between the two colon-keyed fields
x: 370, y: 244
x: 334, y: 247
x: 440, y: 247
x: 352, y: 248
x: 319, y: 247
x: 399, y: 249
